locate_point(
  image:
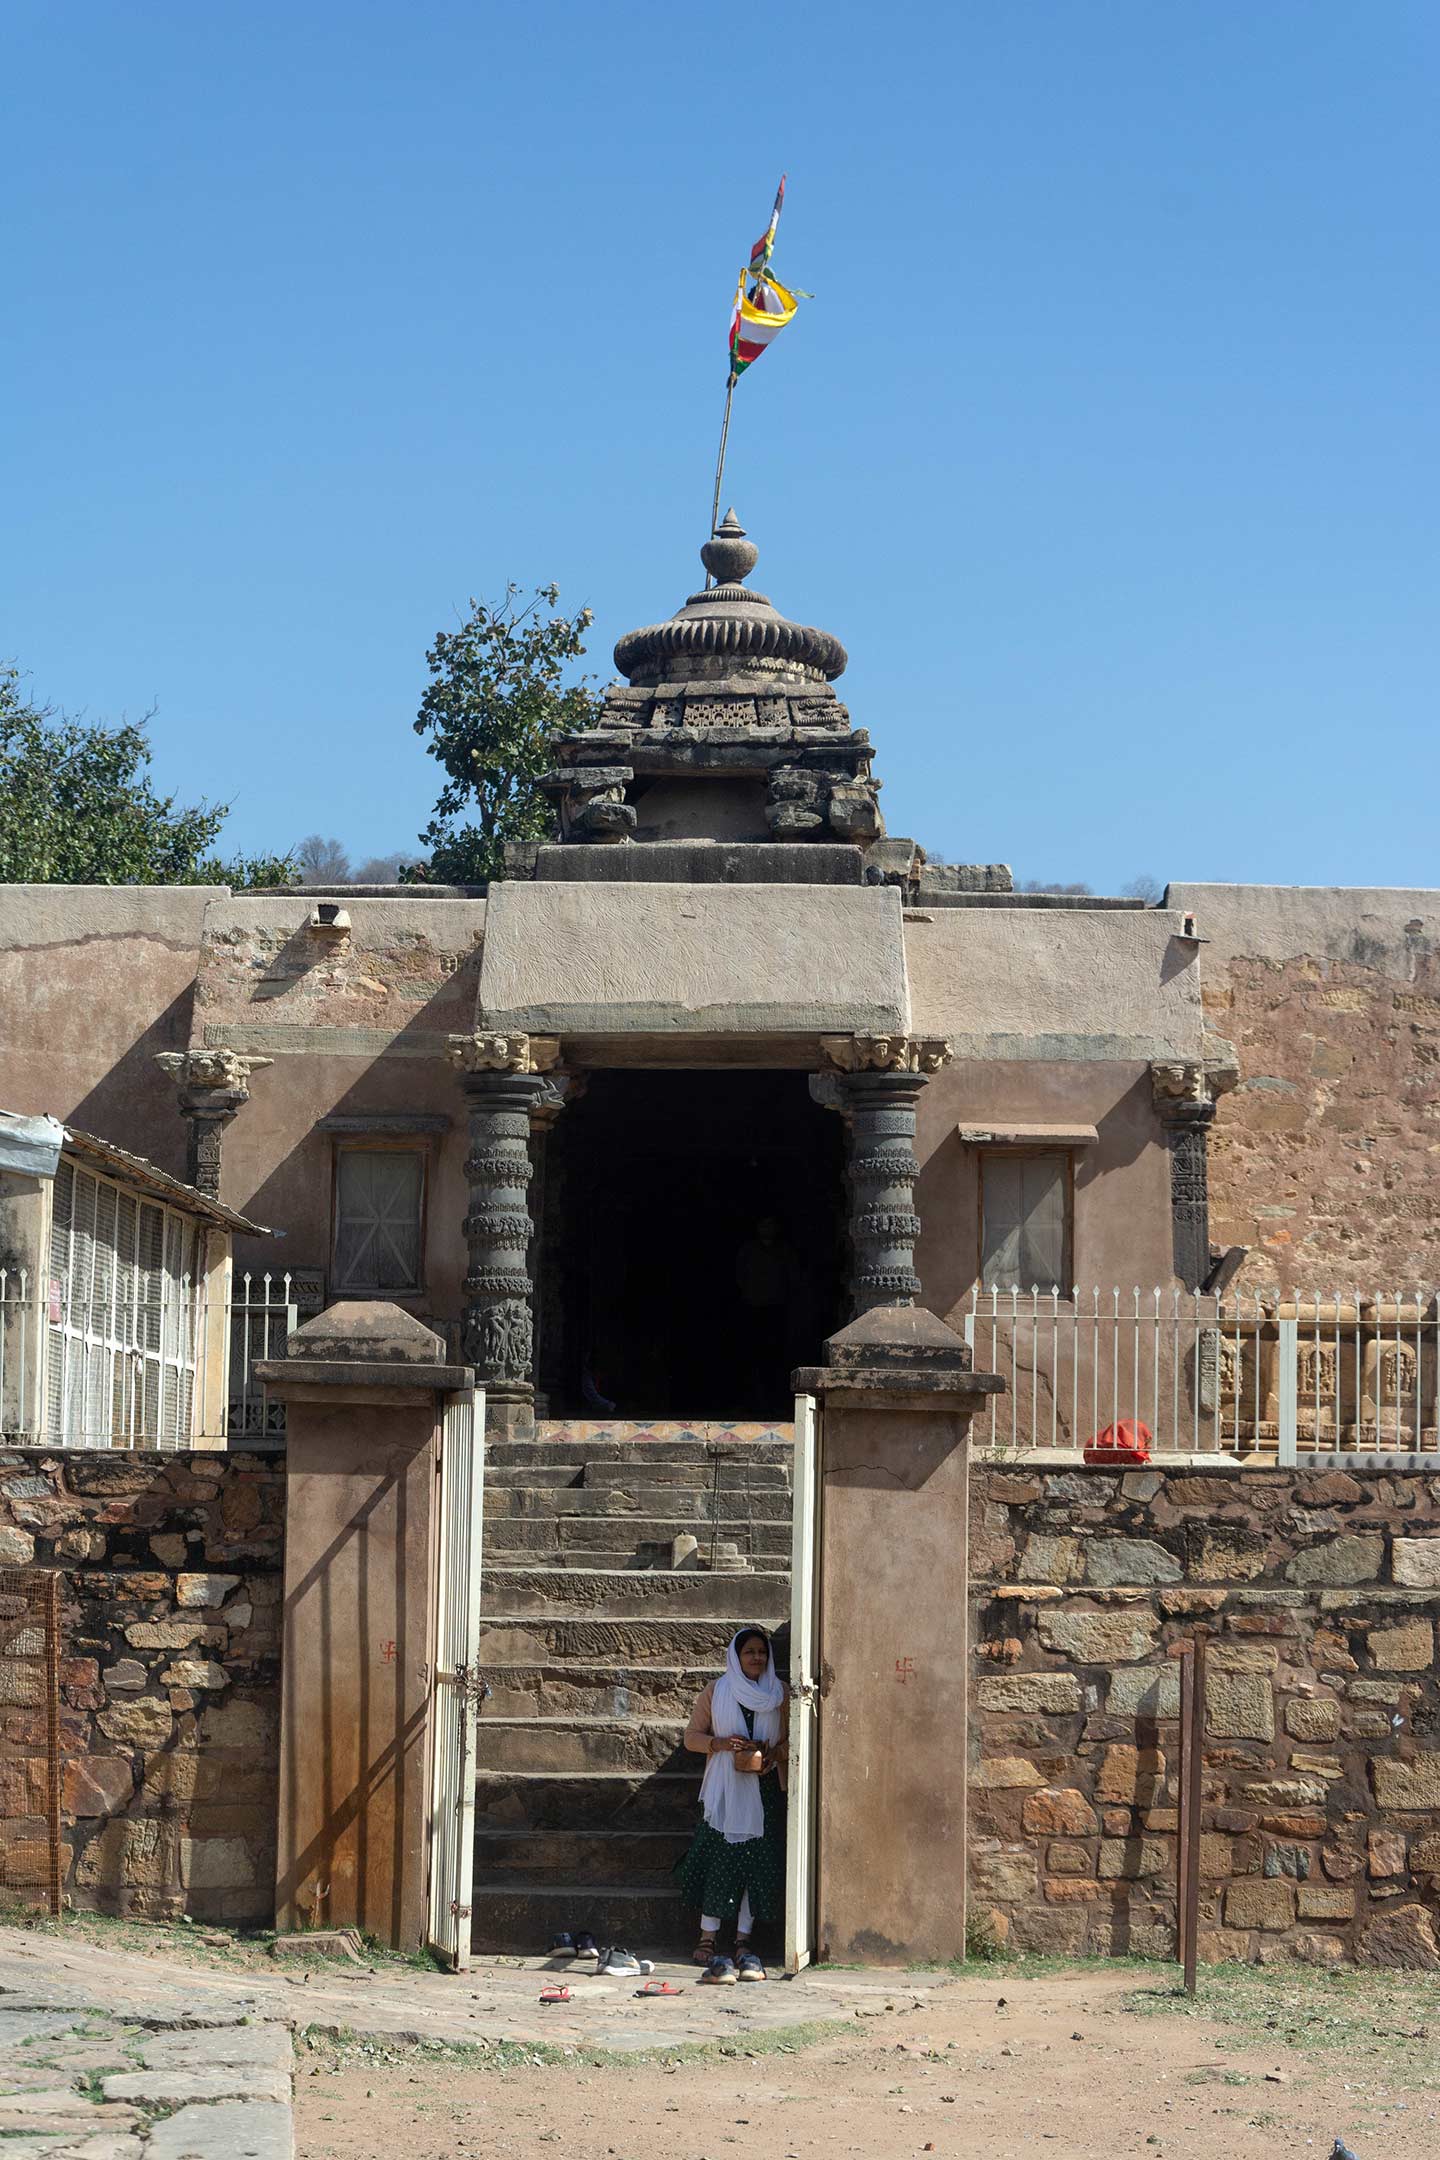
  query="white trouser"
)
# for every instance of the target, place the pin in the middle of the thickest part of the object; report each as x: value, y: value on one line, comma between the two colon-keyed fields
x: 743, y: 1926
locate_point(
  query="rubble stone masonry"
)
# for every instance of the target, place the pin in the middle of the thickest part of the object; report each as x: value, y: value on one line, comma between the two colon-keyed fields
x: 171, y: 1578
x: 1321, y: 1821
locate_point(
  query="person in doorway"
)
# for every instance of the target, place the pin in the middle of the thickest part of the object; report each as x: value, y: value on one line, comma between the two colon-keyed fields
x: 735, y: 1867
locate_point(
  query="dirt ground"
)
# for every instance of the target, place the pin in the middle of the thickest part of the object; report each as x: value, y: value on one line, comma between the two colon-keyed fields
x: 1089, y: 2062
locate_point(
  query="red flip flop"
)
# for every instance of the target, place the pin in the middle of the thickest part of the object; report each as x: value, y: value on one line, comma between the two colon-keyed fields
x: 555, y: 1994
x: 660, y: 1987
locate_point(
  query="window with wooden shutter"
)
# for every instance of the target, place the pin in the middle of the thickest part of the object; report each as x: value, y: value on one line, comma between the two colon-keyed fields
x: 1025, y: 1221
x: 379, y: 1207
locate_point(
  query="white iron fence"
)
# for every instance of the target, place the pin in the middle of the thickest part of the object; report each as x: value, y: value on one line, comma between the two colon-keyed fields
x: 1258, y: 1374
x: 127, y: 1358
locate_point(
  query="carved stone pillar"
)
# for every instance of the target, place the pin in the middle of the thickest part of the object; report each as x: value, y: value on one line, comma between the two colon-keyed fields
x: 880, y: 1084
x: 213, y: 1085
x: 503, y: 1078
x: 1185, y: 1097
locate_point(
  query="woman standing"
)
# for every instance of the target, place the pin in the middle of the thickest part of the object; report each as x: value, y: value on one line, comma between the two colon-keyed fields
x: 736, y: 1865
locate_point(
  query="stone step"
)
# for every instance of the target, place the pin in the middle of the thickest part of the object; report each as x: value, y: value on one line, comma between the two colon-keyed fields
x: 522, y: 1802
x: 616, y: 1594
x: 519, y: 1917
x: 691, y: 1473
x: 541, y: 1534
x: 639, y: 1639
x: 643, y: 1443
x: 596, y: 1691
x: 579, y: 1744
x: 696, y: 1475
x: 622, y: 1503
x: 644, y: 1859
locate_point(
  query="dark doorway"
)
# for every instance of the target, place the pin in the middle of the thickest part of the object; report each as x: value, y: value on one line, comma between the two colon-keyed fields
x: 699, y: 1233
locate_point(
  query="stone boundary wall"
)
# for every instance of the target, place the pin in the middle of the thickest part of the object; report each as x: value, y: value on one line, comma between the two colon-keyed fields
x: 170, y: 1679
x: 1322, y: 1759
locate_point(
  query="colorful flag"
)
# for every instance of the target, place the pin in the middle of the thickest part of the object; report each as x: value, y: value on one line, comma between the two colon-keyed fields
x: 765, y: 246
x: 758, y: 316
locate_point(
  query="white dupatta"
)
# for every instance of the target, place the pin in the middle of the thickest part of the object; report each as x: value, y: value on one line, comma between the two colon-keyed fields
x: 729, y: 1797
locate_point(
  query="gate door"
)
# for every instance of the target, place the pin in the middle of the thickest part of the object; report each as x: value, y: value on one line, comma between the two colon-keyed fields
x: 457, y: 1692
x: 804, y: 1643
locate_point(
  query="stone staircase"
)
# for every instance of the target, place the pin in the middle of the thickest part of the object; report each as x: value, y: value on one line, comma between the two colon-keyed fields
x: 595, y: 1646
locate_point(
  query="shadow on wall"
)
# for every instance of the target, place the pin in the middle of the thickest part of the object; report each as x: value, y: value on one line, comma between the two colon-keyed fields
x: 135, y: 1105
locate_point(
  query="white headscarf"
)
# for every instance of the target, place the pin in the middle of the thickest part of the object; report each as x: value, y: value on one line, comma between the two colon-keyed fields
x: 730, y: 1797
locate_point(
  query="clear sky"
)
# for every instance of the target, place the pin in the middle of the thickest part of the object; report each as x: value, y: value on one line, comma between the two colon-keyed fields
x: 1107, y: 445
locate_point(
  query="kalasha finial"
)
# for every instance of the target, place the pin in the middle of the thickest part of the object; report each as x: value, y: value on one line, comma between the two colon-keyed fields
x: 729, y: 556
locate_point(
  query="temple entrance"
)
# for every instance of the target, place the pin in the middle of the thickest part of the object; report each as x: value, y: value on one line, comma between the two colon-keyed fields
x: 698, y: 1227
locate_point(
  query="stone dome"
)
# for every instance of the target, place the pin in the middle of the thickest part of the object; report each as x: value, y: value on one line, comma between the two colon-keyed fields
x: 728, y: 630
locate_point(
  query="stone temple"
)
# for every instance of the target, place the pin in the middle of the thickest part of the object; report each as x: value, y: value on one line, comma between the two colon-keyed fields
x: 721, y: 1084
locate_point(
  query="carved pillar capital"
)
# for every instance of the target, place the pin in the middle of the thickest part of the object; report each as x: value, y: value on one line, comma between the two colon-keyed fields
x: 924, y: 1054
x: 485, y: 1053
x: 211, y: 1086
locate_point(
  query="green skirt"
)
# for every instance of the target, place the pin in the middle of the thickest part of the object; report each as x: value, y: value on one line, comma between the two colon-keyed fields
x: 714, y: 1876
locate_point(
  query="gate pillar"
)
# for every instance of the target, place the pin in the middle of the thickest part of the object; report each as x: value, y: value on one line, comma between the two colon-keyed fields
x: 364, y: 1386
x: 897, y: 1394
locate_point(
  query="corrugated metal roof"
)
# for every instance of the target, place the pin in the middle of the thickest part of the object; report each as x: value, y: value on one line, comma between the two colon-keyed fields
x: 119, y: 1162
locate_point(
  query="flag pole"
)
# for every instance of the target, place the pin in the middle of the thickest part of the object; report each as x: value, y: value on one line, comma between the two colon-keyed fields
x: 720, y: 468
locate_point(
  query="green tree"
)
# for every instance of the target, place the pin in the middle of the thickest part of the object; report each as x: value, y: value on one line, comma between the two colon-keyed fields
x: 77, y: 808
x: 497, y: 702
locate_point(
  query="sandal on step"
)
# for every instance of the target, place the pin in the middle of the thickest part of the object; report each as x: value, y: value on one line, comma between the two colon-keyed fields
x: 751, y: 1967
x: 720, y: 1972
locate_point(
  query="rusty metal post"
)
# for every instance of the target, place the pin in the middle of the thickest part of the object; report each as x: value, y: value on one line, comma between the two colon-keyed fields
x: 1192, y: 1764
x: 51, y: 1609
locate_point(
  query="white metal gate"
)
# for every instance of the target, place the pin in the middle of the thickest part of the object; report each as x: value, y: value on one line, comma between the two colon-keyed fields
x: 456, y: 1698
x: 801, y: 1809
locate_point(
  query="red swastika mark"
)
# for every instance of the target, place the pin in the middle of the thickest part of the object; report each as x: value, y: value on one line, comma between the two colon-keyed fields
x: 905, y: 1670
x: 387, y: 1652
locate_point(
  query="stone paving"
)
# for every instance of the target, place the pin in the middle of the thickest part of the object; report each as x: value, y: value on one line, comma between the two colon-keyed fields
x: 88, y: 2074
x: 211, y: 2034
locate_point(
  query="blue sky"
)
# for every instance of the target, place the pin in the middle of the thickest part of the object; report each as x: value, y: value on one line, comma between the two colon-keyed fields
x: 1108, y: 443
